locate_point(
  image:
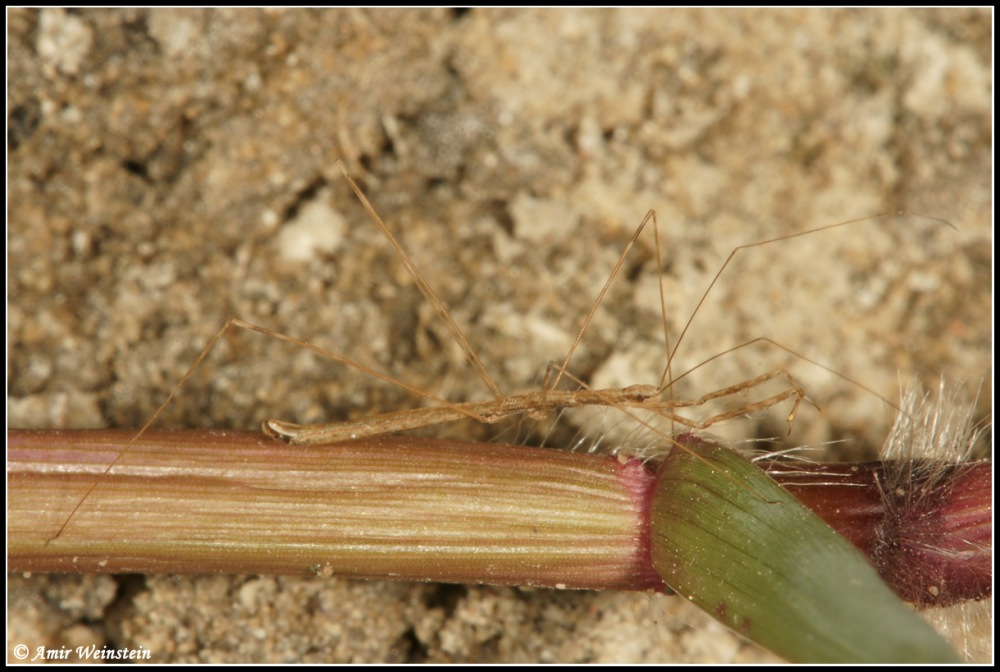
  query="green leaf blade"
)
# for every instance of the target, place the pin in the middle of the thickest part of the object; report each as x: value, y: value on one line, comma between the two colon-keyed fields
x: 730, y: 539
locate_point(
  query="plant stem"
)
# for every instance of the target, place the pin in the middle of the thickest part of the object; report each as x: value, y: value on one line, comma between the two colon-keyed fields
x: 395, y: 507
x: 403, y: 508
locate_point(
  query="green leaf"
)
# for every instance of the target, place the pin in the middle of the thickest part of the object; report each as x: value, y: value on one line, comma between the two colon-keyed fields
x: 732, y: 541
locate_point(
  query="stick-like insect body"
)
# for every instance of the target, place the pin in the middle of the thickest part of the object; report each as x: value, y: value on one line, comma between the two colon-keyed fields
x: 537, y: 403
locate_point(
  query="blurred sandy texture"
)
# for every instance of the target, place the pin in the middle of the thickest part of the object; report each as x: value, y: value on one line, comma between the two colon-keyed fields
x: 169, y: 169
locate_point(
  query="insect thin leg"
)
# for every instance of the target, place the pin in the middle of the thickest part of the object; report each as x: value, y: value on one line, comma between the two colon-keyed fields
x: 93, y: 486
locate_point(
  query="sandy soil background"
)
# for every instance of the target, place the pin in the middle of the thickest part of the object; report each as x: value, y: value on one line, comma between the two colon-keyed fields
x: 171, y: 169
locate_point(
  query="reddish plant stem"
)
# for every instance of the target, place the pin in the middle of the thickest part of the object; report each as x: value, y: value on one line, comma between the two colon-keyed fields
x: 414, y: 509
x: 393, y: 507
x: 929, y: 535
